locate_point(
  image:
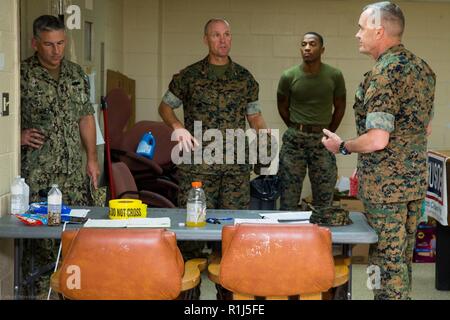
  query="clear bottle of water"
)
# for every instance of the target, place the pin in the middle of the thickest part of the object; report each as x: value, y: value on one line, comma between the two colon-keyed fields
x: 26, y: 195
x: 54, y: 202
x: 17, y: 196
x: 196, y: 206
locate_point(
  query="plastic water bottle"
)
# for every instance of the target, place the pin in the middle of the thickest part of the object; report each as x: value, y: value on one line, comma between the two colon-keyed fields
x: 17, y: 196
x: 54, y: 202
x: 26, y: 195
x: 196, y: 206
x: 146, y: 147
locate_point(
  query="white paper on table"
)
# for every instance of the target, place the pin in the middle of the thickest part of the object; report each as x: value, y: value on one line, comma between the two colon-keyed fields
x: 100, y: 223
x: 79, y: 213
x: 130, y: 223
x: 293, y: 221
x: 148, y: 223
x: 255, y: 221
x: 288, y: 216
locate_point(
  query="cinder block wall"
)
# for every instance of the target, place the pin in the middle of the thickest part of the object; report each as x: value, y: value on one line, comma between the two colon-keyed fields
x: 9, y: 128
x: 107, y: 19
x: 162, y: 37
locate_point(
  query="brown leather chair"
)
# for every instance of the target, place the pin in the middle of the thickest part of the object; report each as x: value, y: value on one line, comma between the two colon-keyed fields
x: 162, y: 160
x: 124, y: 264
x: 274, y: 262
x: 149, y: 173
x: 125, y: 187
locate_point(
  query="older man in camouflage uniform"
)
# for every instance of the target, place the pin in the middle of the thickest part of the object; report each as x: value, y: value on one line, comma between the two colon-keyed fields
x: 221, y: 95
x: 393, y: 111
x: 306, y: 96
x: 57, y: 117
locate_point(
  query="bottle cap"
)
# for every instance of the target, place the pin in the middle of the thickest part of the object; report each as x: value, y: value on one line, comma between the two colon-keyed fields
x: 196, y: 184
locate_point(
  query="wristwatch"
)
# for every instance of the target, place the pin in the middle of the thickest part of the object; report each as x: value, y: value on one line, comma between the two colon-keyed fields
x: 343, y: 150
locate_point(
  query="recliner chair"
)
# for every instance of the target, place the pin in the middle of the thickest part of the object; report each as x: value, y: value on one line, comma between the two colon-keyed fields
x: 125, y: 187
x: 149, y: 173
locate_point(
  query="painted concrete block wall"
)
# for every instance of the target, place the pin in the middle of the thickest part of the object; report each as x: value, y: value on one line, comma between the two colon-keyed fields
x: 9, y: 126
x: 266, y: 37
x: 142, y: 53
x: 107, y: 19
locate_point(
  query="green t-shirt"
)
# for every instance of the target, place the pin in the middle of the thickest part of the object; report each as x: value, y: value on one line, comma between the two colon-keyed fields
x: 219, y: 70
x: 311, y: 96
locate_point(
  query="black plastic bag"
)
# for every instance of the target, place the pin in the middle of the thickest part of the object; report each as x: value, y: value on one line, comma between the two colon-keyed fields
x: 265, y: 188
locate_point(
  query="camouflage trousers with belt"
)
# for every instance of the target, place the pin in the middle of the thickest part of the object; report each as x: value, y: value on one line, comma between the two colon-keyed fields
x: 302, y: 152
x: 390, y: 259
x: 222, y: 192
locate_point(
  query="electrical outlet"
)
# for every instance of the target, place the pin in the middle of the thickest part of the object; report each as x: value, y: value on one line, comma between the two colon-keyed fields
x: 5, y: 104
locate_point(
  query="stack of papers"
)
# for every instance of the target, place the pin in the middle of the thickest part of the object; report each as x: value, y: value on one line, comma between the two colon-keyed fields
x: 79, y: 213
x: 130, y: 223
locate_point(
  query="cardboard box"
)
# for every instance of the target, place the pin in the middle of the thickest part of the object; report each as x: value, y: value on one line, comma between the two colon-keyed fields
x: 360, y: 254
x: 425, y: 248
x: 352, y: 204
x: 438, y: 193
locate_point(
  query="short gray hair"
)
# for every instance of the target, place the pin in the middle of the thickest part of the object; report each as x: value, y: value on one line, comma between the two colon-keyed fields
x: 213, y: 20
x: 47, y: 23
x: 392, y: 17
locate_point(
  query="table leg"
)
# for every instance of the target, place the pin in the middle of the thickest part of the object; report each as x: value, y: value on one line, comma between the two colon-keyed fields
x: 18, y: 252
x: 348, y: 250
x: 30, y: 284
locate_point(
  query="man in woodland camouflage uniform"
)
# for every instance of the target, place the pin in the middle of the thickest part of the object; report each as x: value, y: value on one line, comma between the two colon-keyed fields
x: 221, y: 94
x: 56, y: 118
x: 306, y: 96
x: 393, y: 111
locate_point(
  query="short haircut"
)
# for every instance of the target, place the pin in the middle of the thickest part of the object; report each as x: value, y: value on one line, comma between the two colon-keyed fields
x: 392, y: 17
x: 212, y: 21
x: 47, y: 23
x: 316, y: 35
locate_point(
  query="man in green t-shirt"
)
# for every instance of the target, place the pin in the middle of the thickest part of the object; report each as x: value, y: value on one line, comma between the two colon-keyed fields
x: 306, y: 96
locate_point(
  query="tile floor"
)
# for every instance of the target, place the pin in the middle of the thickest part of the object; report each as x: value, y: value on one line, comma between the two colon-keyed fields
x: 423, y: 284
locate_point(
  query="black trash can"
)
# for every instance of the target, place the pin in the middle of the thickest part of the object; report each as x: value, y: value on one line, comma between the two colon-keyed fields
x: 264, y: 192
